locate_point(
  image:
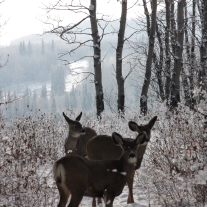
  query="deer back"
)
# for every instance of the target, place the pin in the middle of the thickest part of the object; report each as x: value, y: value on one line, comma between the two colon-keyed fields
x: 77, y: 175
x: 103, y: 148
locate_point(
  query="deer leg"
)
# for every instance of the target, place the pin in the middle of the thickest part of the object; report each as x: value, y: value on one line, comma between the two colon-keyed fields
x: 76, y: 199
x: 130, y: 186
x: 109, y: 199
x: 94, y: 202
x: 63, y: 197
x: 99, y: 201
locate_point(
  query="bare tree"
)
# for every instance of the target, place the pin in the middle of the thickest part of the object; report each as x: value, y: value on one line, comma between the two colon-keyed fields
x: 1, y: 28
x: 97, y: 58
x: 72, y: 34
x: 203, y: 48
x: 167, y: 51
x: 152, y: 29
x: 175, y: 94
x: 119, y: 76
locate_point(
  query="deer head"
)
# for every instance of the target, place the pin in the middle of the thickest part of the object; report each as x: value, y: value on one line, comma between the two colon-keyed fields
x: 75, y: 127
x: 143, y: 128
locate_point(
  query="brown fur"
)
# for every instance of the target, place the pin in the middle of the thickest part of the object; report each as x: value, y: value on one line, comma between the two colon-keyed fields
x: 78, y: 176
x: 103, y: 148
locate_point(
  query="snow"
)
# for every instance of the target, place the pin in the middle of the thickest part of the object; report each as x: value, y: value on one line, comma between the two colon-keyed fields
x: 121, y: 201
x: 174, y: 163
x: 91, y: 7
x: 96, y: 56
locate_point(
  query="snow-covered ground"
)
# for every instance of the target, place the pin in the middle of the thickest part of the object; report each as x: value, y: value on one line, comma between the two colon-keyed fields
x: 173, y: 171
x: 139, y: 198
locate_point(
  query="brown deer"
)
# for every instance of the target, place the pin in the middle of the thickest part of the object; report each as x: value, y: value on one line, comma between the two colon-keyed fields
x: 78, y: 176
x: 78, y: 136
x: 103, y: 148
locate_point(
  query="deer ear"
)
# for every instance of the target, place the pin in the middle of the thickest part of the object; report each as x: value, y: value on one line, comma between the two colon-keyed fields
x: 117, y: 139
x: 66, y: 118
x: 152, y: 122
x: 141, y: 138
x: 79, y: 116
x: 133, y: 126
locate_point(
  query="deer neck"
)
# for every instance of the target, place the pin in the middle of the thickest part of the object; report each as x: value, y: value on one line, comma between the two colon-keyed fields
x: 71, y: 142
x: 140, y: 153
x: 141, y: 149
x: 124, y: 166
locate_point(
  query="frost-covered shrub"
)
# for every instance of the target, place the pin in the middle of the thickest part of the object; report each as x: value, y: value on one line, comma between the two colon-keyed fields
x: 176, y: 159
x: 173, y: 172
x: 28, y: 149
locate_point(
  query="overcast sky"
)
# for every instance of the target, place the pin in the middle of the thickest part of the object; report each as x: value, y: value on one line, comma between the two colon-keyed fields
x: 24, y: 16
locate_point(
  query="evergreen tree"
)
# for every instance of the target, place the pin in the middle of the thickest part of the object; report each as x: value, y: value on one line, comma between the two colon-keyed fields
x: 23, y: 48
x: 53, y: 106
x: 29, y: 49
x: 67, y: 101
x: 43, y: 48
x: 34, y: 102
x: 44, y: 92
x: 20, y: 48
x: 52, y: 46
x: 58, y: 82
x: 73, y: 99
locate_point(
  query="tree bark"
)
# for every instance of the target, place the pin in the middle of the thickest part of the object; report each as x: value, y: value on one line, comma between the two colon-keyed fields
x: 97, y: 59
x: 188, y: 84
x: 145, y: 87
x: 159, y: 65
x: 175, y: 95
x: 119, y: 76
x: 167, y: 52
x: 185, y: 76
x: 192, y: 56
x: 203, y: 48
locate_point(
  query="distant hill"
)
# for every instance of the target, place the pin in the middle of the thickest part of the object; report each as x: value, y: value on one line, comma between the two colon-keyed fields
x: 112, y: 38
x: 36, y: 39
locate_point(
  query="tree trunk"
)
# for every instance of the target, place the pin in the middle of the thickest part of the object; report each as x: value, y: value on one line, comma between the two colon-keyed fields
x: 203, y: 48
x: 97, y: 59
x: 159, y: 70
x: 188, y: 83
x: 185, y: 76
x: 192, y: 56
x: 167, y: 52
x: 175, y: 95
x: 173, y: 27
x: 145, y: 87
x: 119, y: 77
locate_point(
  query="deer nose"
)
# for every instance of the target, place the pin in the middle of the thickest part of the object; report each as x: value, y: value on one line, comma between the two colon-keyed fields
x: 83, y: 131
x: 132, y: 155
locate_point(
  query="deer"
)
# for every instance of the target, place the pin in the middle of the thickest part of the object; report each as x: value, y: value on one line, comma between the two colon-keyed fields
x: 103, y: 148
x: 78, y: 136
x: 78, y: 176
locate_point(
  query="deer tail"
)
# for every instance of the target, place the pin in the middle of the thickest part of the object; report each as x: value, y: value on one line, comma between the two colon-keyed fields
x: 58, y: 172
